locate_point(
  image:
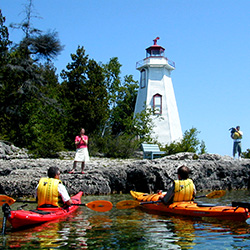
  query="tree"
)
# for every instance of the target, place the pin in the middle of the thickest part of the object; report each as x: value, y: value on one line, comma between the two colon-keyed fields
x: 96, y: 103
x: 44, y: 132
x: 35, y: 44
x: 189, y: 143
x: 112, y: 72
x: 21, y: 81
x: 26, y: 23
x: 42, y: 46
x: 123, y: 111
x: 84, y: 94
x: 4, y: 55
x: 26, y: 103
x: 4, y: 40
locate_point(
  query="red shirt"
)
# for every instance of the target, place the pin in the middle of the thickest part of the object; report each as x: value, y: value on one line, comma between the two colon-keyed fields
x: 82, y: 144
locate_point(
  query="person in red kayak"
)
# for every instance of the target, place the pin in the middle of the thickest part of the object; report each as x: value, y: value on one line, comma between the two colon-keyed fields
x: 50, y: 190
x: 183, y: 189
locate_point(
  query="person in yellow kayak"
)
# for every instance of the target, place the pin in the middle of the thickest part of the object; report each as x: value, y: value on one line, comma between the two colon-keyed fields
x: 183, y: 189
x: 50, y: 190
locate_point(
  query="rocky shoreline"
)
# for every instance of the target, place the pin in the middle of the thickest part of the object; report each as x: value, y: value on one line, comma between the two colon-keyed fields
x: 19, y: 173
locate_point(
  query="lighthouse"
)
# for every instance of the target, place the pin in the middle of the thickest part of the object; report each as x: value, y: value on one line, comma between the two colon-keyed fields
x: 157, y: 93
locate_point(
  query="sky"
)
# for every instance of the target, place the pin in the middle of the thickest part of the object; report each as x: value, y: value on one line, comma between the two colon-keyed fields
x: 209, y: 41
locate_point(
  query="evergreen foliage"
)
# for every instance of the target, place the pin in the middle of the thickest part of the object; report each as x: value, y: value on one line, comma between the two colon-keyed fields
x: 4, y: 40
x: 28, y: 105
x: 189, y: 143
x: 84, y: 95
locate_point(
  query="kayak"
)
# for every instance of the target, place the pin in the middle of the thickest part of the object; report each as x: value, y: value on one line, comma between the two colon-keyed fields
x: 192, y: 208
x: 22, y: 218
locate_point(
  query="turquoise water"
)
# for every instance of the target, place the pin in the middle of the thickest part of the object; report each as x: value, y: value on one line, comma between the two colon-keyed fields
x: 132, y: 229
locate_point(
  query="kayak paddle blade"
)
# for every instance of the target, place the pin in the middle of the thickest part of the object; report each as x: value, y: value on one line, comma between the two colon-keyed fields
x: 6, y: 199
x: 100, y: 206
x: 216, y: 194
x: 127, y: 204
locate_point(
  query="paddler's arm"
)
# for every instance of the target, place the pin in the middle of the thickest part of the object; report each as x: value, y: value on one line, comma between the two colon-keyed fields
x: 166, y: 199
x: 69, y: 202
x: 64, y: 194
x: 194, y: 194
x: 36, y: 193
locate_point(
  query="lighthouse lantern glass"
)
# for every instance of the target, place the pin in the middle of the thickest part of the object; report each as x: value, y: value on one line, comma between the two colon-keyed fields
x: 155, y: 52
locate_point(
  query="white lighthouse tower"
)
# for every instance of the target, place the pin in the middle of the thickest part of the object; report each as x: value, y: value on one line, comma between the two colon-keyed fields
x: 156, y: 92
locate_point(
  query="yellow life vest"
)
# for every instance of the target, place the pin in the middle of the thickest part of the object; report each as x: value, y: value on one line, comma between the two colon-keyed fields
x: 47, y: 192
x: 184, y: 190
x: 237, y: 135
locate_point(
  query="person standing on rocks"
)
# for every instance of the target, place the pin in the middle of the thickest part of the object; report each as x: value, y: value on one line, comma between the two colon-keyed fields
x: 50, y: 190
x: 237, y: 136
x: 183, y: 189
x: 82, y: 153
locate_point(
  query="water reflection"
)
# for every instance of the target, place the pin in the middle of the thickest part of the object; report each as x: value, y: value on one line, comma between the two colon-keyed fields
x: 132, y: 229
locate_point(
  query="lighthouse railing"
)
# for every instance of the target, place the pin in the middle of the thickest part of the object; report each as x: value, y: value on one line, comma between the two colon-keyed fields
x: 171, y: 63
x: 148, y: 60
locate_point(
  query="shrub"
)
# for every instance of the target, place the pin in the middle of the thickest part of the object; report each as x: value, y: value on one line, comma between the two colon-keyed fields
x: 189, y: 143
x: 246, y: 154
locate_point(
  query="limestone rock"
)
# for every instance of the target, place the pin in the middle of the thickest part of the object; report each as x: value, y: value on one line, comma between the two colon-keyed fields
x: 20, y: 176
x: 9, y: 151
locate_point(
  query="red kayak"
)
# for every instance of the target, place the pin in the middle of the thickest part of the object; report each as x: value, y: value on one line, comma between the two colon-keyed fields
x: 21, y: 218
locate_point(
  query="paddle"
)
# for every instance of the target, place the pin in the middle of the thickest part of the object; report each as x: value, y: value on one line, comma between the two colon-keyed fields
x: 6, y: 213
x: 127, y: 204
x: 213, y: 195
x: 99, y: 205
x: 133, y: 203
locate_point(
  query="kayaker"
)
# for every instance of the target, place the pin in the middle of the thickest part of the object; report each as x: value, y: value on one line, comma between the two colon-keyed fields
x: 82, y: 154
x: 50, y: 190
x: 237, y: 136
x: 183, y: 189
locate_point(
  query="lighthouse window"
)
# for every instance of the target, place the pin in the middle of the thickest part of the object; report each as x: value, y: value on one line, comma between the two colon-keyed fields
x: 155, y: 53
x: 143, y: 78
x: 157, y: 102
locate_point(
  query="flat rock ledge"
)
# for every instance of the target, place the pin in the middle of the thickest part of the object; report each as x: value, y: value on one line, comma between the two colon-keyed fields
x: 19, y: 177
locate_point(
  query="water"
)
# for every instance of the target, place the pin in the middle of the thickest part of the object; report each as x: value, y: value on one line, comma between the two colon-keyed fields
x: 132, y: 229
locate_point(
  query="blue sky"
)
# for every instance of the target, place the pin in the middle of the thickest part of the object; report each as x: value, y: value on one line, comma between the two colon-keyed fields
x: 207, y: 39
